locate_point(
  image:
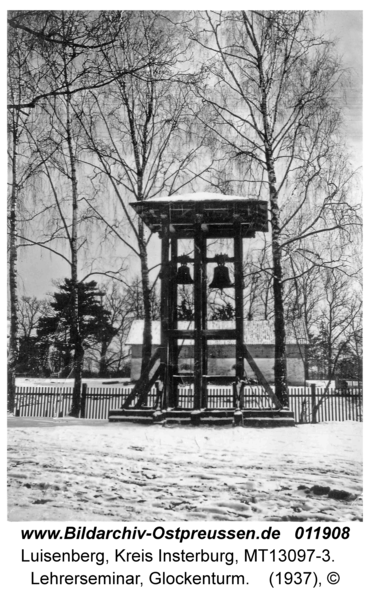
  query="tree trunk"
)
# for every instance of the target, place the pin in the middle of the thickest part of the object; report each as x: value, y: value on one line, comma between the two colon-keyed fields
x: 13, y: 291
x: 103, y: 359
x: 281, y: 385
x: 147, y: 306
x: 76, y: 340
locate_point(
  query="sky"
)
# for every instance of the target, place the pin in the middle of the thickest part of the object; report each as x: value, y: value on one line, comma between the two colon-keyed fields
x: 37, y: 268
x: 346, y: 27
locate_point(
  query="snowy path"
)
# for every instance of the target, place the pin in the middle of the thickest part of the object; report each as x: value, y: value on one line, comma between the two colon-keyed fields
x: 127, y: 472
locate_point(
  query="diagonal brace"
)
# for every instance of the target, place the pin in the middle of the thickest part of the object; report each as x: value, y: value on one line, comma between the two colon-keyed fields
x: 141, y: 386
x: 261, y: 379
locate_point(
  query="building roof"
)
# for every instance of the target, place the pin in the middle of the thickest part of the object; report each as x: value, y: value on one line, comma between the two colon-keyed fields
x: 255, y: 332
x: 198, y: 197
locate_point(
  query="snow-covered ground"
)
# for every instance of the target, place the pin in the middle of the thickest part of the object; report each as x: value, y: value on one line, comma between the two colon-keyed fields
x: 127, y: 472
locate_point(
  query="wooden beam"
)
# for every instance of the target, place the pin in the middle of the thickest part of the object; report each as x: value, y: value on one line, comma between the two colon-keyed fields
x: 144, y: 394
x: 198, y: 320
x: 165, y: 286
x: 178, y: 259
x: 172, y: 324
x: 140, y: 385
x: 209, y: 334
x: 220, y: 334
x: 261, y: 379
x: 211, y: 259
x: 204, y: 392
x: 182, y: 334
x: 239, y: 305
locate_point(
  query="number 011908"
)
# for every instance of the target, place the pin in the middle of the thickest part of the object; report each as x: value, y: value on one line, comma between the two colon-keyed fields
x: 324, y: 533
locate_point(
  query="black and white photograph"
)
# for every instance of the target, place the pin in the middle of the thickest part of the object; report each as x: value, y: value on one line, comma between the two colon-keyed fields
x: 184, y: 322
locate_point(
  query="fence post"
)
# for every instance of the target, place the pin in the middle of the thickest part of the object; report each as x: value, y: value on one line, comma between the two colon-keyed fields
x: 17, y: 400
x: 313, y: 401
x: 235, y: 395
x: 83, y: 400
x: 359, y: 404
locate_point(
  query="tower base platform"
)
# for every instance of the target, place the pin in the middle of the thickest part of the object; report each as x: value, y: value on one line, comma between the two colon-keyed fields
x: 232, y: 417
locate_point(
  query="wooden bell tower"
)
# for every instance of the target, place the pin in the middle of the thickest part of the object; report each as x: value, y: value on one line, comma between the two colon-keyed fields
x: 199, y: 217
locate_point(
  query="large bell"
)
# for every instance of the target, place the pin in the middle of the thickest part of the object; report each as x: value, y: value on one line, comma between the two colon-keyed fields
x: 183, y: 276
x: 221, y: 277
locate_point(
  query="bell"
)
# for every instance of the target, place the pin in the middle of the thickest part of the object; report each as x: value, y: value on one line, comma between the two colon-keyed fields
x: 183, y: 276
x: 221, y: 278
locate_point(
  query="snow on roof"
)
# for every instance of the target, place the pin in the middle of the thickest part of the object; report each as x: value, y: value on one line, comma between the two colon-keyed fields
x: 255, y: 332
x: 197, y: 196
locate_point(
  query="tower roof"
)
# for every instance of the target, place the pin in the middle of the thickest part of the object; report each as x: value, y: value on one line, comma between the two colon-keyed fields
x: 218, y: 214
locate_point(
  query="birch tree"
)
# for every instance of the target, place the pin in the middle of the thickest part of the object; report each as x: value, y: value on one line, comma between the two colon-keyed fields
x: 84, y: 38
x: 140, y: 134
x: 55, y: 142
x: 62, y: 60
x: 273, y: 97
x: 22, y: 167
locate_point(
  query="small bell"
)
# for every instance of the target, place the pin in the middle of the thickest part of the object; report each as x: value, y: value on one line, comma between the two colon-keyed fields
x: 221, y: 278
x: 183, y: 276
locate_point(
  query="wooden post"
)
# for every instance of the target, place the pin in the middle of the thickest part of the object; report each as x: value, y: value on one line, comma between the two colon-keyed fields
x: 172, y: 367
x: 313, y: 400
x: 83, y: 400
x: 204, y: 342
x: 198, y: 317
x: 235, y: 396
x: 239, y: 309
x: 18, y: 399
x: 165, y: 307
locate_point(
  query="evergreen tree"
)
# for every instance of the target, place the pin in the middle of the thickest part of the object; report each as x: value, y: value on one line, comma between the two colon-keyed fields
x: 54, y: 331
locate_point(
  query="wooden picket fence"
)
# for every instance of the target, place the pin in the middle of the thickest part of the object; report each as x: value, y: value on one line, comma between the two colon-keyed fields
x: 309, y: 404
x: 50, y: 401
x: 316, y: 405
x: 40, y: 401
x: 99, y: 401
